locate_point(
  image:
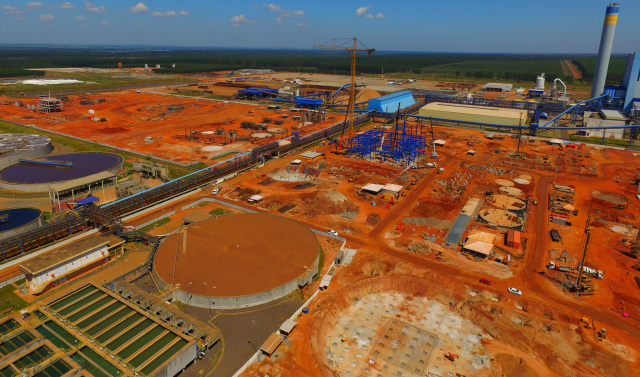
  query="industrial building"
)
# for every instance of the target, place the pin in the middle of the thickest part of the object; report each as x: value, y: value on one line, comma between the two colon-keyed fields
x: 627, y: 94
x: 102, y: 184
x: 390, y: 103
x: 151, y: 169
x: 604, y: 118
x: 61, y: 264
x: 478, y: 114
x: 497, y: 87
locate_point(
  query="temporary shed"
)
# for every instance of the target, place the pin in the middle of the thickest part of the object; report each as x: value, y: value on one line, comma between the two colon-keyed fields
x: 478, y: 114
x: 296, y: 162
x: 311, y: 156
x: 478, y: 248
x: 513, y: 238
x: 391, y: 192
x: 497, y: 87
x: 372, y: 188
x: 440, y: 143
x: 287, y: 326
x: 556, y: 142
x: 272, y: 344
x: 478, y: 235
x: 389, y: 103
x: 472, y: 152
x: 256, y: 199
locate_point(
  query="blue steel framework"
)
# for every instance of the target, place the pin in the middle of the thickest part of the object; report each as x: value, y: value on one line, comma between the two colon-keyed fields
x: 401, y: 146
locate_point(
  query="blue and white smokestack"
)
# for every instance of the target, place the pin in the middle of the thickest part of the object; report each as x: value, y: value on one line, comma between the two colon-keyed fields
x: 604, y: 53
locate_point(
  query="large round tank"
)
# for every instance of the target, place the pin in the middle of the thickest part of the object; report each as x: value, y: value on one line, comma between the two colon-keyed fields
x: 540, y: 82
x: 32, y: 177
x: 236, y: 261
x: 16, y: 146
x: 18, y: 220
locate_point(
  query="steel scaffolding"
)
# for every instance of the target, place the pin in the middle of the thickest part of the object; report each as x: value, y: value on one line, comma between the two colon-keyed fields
x: 403, y: 145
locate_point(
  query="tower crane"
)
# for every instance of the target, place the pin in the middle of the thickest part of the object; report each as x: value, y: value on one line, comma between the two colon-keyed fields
x: 335, y: 44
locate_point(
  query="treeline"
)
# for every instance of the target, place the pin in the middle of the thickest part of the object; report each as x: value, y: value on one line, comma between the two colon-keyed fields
x: 13, y: 60
x: 18, y: 72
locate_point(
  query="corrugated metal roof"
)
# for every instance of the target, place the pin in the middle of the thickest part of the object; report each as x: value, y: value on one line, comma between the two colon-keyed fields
x: 310, y: 154
x: 478, y: 235
x: 61, y: 255
x: 479, y: 247
x: 373, y: 187
x: 477, y: 110
x: 392, y: 187
x: 612, y: 115
x: 270, y: 346
x: 81, y: 181
x: 288, y: 326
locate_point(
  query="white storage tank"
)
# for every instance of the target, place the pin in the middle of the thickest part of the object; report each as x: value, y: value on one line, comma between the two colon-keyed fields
x: 540, y: 82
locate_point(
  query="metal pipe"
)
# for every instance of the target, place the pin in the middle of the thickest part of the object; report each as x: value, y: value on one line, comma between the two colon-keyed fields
x: 564, y: 90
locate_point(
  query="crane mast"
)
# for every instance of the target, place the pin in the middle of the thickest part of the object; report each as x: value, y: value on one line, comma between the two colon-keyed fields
x: 353, y: 49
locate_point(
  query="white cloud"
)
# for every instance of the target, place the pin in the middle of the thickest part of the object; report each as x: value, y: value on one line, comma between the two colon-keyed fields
x: 241, y: 19
x: 362, y: 10
x: 66, y: 5
x: 302, y: 24
x: 90, y: 7
x: 105, y: 23
x: 283, y: 12
x: 171, y: 13
x: 47, y: 17
x: 278, y: 21
x: 34, y: 5
x: 139, y: 8
x: 12, y: 10
x: 80, y: 17
x: 213, y: 24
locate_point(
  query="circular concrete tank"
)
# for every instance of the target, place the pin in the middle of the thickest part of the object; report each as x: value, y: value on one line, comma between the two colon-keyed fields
x: 236, y: 261
x: 28, y: 146
x: 19, y: 220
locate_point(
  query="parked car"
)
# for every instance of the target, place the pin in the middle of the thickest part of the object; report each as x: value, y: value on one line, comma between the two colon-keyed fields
x: 514, y: 291
x: 215, y: 191
x: 333, y: 232
x: 485, y: 281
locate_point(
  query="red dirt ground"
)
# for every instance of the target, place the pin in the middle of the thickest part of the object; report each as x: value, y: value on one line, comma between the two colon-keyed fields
x: 133, y: 116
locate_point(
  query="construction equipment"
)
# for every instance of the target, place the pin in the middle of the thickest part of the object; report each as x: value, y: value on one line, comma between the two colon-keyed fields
x: 585, y: 244
x: 618, y: 206
x: 585, y: 320
x: 602, y: 334
x: 333, y: 45
x: 535, y: 201
x: 439, y: 255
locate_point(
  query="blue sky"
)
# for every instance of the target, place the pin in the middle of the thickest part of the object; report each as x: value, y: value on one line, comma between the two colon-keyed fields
x: 518, y: 26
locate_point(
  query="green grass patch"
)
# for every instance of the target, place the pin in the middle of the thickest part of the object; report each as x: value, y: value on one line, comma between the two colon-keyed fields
x: 156, y: 224
x: 598, y: 140
x: 220, y: 212
x: 215, y: 358
x: 9, y: 299
x: 198, y: 165
x: 225, y: 156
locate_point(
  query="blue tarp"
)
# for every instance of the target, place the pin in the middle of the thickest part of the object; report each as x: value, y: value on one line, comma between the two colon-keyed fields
x: 87, y: 200
x: 308, y: 101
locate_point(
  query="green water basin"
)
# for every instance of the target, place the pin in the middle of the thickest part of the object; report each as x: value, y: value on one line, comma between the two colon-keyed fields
x: 90, y: 308
x: 108, y: 321
x: 142, y: 342
x: 163, y: 357
x: 103, y: 313
x: 130, y: 334
x: 73, y: 297
x: 80, y: 303
x: 117, y: 329
x: 101, y: 362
